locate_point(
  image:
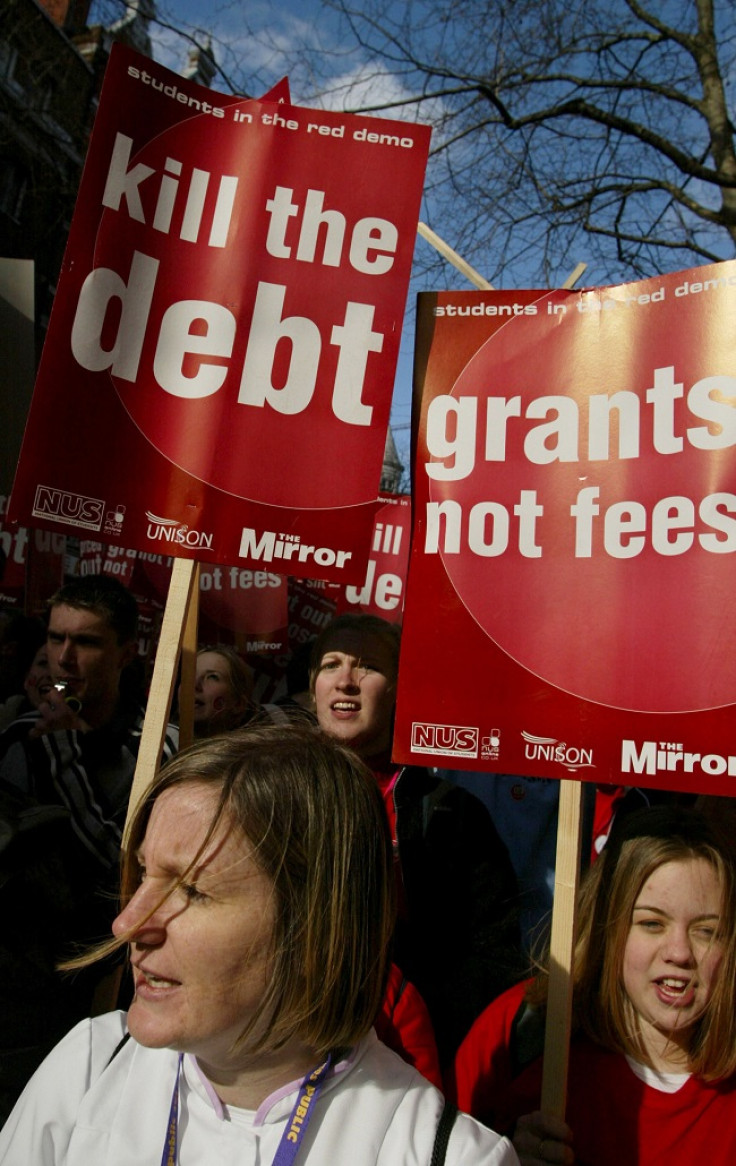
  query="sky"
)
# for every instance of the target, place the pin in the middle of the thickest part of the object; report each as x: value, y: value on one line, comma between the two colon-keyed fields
x: 257, y: 54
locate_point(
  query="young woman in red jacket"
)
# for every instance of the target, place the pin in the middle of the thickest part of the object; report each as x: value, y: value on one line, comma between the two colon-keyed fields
x: 652, y: 1075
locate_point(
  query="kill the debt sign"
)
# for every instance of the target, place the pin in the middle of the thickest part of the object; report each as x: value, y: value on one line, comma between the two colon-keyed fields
x: 382, y: 592
x: 572, y: 566
x: 217, y: 377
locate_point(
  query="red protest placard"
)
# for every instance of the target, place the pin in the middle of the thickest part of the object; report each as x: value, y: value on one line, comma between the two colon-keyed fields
x: 31, y: 566
x: 236, y: 604
x: 239, y: 605
x: 575, y: 527
x: 382, y: 591
x: 217, y: 377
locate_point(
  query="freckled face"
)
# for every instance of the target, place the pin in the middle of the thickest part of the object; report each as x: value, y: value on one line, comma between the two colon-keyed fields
x: 672, y: 955
x: 213, y: 691
x: 202, y: 961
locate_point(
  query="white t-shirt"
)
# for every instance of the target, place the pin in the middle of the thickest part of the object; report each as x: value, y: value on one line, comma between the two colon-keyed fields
x: 664, y: 1082
x: 81, y: 1109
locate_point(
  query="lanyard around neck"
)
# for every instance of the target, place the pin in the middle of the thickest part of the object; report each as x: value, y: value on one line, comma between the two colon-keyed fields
x: 293, y: 1135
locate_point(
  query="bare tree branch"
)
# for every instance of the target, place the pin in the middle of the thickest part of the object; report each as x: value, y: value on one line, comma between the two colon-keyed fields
x: 600, y: 127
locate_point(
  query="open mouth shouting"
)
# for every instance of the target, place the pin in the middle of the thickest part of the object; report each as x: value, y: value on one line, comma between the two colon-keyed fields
x: 345, y: 706
x: 149, y: 985
x: 675, y: 991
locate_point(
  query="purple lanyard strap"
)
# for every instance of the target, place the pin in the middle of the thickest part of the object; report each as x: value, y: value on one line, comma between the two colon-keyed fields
x: 293, y: 1135
x: 171, y: 1144
x: 309, y: 1091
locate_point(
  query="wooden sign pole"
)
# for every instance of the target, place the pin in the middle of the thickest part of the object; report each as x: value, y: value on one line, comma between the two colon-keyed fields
x: 574, y: 276
x: 562, y: 943
x: 469, y: 272
x: 452, y: 257
x: 181, y: 594
x: 189, y: 666
x: 569, y: 842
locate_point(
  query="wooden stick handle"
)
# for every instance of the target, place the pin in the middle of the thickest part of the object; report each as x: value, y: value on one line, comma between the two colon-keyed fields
x: 452, y: 256
x: 158, y: 708
x: 559, y: 999
x: 189, y: 666
x: 574, y: 275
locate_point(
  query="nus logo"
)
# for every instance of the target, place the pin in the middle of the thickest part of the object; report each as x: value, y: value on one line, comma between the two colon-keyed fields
x: 63, y: 506
x: 448, y: 740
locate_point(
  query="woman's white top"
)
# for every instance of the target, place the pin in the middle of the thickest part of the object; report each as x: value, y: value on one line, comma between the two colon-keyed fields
x: 664, y: 1082
x: 82, y: 1109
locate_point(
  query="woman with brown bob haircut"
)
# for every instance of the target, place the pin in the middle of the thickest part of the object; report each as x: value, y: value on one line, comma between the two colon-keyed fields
x: 257, y: 907
x: 653, y: 1057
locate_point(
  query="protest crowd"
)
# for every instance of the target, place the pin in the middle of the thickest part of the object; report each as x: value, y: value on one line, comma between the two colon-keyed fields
x: 283, y: 929
x: 447, y: 981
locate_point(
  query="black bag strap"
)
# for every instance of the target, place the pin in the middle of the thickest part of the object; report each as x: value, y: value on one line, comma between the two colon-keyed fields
x: 442, y: 1137
x: 121, y: 1043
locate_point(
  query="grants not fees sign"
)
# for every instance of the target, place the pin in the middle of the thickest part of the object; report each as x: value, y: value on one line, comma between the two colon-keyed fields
x: 218, y: 371
x: 575, y: 533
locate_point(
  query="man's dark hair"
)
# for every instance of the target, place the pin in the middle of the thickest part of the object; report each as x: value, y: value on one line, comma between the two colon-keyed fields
x: 105, y: 596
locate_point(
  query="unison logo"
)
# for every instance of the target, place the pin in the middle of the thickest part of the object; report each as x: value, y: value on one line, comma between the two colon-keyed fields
x: 170, y: 530
x: 550, y: 749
